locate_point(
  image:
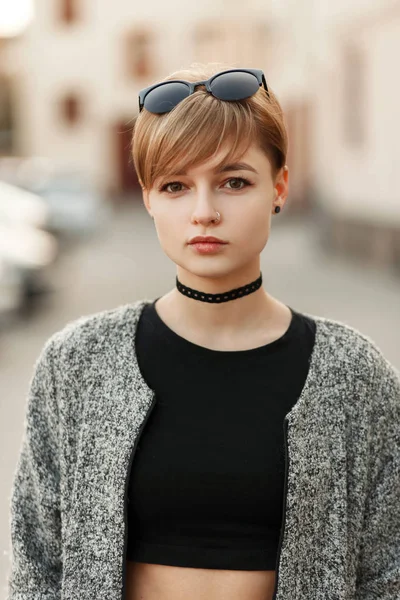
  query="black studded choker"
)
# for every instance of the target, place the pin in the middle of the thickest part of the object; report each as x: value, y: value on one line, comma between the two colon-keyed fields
x: 245, y: 290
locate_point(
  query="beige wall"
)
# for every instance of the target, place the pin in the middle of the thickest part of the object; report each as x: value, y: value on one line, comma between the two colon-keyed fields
x: 359, y: 179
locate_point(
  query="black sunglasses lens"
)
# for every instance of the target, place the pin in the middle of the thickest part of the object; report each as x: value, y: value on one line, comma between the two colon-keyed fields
x: 234, y: 86
x: 165, y: 97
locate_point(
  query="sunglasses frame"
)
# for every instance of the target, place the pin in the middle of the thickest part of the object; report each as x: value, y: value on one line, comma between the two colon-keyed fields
x: 258, y: 74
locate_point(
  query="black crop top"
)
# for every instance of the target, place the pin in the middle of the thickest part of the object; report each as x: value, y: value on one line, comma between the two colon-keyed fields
x: 207, y: 478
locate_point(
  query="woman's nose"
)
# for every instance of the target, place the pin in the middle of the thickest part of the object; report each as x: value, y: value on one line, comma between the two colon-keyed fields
x: 204, y: 210
x: 205, y: 216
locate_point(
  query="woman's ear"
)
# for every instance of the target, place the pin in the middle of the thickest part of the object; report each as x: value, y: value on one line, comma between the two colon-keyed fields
x: 282, y: 183
x: 146, y: 200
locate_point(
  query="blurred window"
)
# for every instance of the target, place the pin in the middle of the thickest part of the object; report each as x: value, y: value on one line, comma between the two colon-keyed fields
x: 71, y: 109
x: 6, y: 117
x: 69, y: 11
x: 139, y: 58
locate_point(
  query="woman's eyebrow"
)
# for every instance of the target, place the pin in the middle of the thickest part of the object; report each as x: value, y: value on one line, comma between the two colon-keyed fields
x: 224, y: 168
x: 236, y: 167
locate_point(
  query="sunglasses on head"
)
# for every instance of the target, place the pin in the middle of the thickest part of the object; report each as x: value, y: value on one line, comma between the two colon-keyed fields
x: 231, y: 85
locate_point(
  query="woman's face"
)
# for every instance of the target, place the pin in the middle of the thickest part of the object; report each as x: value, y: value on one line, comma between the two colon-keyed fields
x: 183, y: 206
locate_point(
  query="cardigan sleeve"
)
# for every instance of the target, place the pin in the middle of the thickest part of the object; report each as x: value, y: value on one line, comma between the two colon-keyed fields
x: 36, y: 548
x: 379, y: 563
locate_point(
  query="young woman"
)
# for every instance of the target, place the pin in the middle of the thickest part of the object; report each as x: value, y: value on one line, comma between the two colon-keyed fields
x: 213, y: 443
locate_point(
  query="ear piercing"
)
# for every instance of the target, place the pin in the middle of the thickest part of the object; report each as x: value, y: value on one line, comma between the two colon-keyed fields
x: 278, y: 208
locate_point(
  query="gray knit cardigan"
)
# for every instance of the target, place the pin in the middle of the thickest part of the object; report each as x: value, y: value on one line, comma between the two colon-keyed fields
x: 87, y: 404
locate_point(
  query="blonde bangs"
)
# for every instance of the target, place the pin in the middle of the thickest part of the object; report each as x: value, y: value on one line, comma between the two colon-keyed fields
x: 197, y: 127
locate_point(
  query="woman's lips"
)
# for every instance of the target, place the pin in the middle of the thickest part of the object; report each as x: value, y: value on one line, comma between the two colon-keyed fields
x: 207, y: 247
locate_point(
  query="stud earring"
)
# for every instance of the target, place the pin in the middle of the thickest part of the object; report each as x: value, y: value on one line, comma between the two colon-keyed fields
x: 278, y: 208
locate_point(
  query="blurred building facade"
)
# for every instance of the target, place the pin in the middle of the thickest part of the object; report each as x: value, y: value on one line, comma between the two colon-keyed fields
x: 78, y: 68
x: 75, y: 73
x: 356, y: 128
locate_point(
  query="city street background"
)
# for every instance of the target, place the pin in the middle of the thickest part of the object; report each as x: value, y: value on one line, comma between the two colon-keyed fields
x: 75, y: 237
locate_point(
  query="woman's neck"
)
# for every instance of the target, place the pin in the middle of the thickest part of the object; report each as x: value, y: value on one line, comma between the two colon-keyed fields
x: 256, y: 316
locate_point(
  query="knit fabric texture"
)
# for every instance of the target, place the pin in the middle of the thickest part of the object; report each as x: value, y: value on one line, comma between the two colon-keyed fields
x: 86, y: 404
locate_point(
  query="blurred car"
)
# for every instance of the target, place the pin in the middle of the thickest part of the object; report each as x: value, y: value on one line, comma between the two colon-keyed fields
x: 26, y: 250
x: 18, y: 206
x: 75, y: 206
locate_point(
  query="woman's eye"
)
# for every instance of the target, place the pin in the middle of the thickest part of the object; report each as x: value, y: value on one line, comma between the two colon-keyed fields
x: 173, y: 184
x: 174, y: 187
x: 241, y: 181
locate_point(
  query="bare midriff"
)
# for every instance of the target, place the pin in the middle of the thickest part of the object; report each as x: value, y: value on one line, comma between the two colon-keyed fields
x: 145, y: 581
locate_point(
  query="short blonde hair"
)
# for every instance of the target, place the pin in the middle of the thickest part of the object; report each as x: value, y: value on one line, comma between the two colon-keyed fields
x: 195, y: 129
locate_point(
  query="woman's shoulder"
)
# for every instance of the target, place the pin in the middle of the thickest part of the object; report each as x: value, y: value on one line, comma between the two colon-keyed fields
x: 337, y: 331
x: 346, y: 347
x: 86, y: 332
